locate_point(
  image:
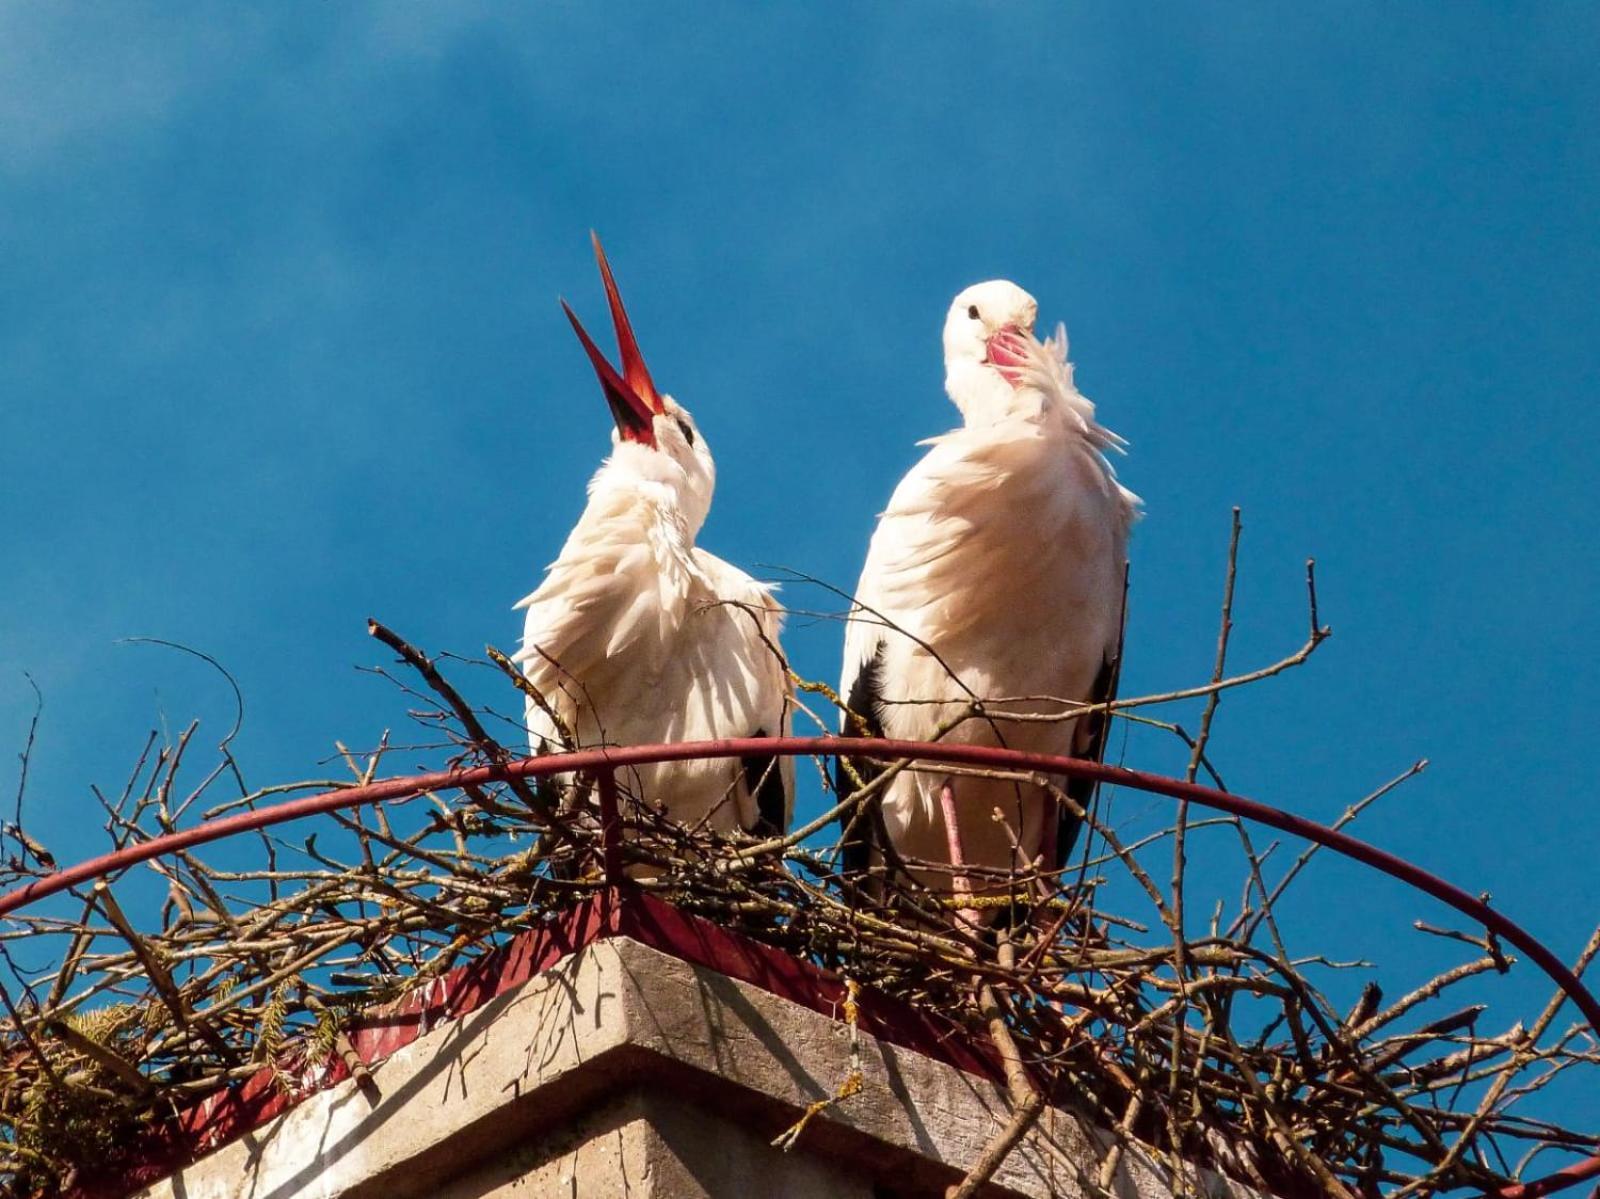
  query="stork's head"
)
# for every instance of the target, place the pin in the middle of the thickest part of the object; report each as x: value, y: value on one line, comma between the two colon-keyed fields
x: 656, y: 440
x: 986, y: 335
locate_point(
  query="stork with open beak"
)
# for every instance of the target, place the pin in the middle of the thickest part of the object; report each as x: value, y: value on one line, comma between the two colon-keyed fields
x: 638, y: 636
x: 996, y: 574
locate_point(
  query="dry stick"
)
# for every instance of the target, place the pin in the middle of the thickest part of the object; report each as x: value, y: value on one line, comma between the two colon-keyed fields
x: 1393, y: 1050
x: 1426, y: 991
x: 27, y: 1036
x: 1180, y: 967
x: 102, y: 1056
x: 165, y: 987
x: 167, y: 763
x: 69, y: 965
x: 267, y: 842
x: 164, y: 792
x: 82, y: 939
x: 1071, y: 709
x: 1486, y: 942
x: 22, y: 778
x: 199, y: 789
x: 521, y: 683
x: 921, y: 967
x: 1123, y: 1131
x: 1250, y: 923
x: 1027, y: 1101
x: 1518, y: 1060
x: 1371, y: 996
x: 1319, y: 634
x: 1283, y: 1138
x: 1516, y: 1094
x: 1433, y: 1074
x: 1178, y: 731
x: 753, y: 854
x: 470, y: 724
x: 1308, y: 1001
x: 287, y: 971
x: 215, y: 902
x: 138, y: 769
x: 245, y: 801
x: 854, y: 1079
x: 1023, y: 1115
x: 357, y: 1068
x: 354, y: 1066
x: 233, y: 684
x: 1151, y: 838
x: 1129, y: 862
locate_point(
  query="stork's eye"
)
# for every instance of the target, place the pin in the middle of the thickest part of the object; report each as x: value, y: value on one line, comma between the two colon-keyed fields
x: 972, y: 311
x: 688, y: 432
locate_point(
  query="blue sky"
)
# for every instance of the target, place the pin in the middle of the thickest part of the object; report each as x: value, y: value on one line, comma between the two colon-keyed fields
x: 280, y: 349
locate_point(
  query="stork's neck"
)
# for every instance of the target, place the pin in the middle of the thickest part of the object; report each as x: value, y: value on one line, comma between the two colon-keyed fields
x: 633, y: 499
x: 1042, y: 392
x: 982, y: 394
x: 987, y: 401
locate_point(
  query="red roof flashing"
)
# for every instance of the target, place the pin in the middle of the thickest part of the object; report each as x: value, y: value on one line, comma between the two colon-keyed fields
x: 616, y: 912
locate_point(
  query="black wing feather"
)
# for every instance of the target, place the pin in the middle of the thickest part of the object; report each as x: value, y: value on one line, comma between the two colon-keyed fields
x: 1089, y: 741
x: 765, y: 781
x: 858, y: 830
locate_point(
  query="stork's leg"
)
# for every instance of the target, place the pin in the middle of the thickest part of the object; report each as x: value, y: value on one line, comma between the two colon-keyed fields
x: 959, y: 881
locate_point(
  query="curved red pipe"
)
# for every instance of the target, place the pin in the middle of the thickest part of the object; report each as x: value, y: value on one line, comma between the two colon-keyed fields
x: 969, y: 755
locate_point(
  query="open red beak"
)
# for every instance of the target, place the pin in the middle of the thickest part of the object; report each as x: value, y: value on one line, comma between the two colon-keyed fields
x: 632, y: 396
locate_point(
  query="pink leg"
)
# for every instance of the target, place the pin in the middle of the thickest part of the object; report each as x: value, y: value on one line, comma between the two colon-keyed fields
x: 959, y: 881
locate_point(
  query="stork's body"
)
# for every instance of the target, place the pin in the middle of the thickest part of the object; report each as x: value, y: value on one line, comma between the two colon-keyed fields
x: 637, y: 636
x: 996, y: 574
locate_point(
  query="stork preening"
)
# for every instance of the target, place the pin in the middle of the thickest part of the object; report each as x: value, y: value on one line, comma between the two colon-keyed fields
x: 995, y: 575
x: 637, y: 636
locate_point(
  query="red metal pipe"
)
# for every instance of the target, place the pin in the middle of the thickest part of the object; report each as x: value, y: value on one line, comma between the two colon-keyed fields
x: 968, y: 755
x: 1559, y: 1180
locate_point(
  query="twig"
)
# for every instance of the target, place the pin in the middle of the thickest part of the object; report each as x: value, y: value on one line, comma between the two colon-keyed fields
x: 1027, y: 1101
x: 158, y: 975
x: 102, y: 1056
x: 26, y: 756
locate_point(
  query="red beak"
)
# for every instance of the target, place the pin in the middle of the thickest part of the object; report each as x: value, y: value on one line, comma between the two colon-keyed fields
x: 631, y: 395
x: 1007, y: 351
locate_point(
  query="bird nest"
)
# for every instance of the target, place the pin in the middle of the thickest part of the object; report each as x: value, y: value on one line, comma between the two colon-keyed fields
x: 1218, y: 1049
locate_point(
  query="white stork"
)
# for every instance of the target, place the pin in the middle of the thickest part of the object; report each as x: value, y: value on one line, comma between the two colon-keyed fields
x: 996, y: 574
x: 638, y: 636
